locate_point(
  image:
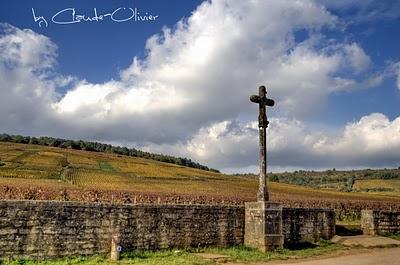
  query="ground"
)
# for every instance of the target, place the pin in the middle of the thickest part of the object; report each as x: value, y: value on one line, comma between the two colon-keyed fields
x: 356, y: 250
x: 385, y: 256
x: 334, y: 256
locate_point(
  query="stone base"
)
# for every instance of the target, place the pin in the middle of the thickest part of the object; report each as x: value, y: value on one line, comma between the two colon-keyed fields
x: 263, y: 225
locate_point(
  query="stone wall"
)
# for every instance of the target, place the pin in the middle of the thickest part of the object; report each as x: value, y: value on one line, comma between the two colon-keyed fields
x: 374, y: 222
x: 43, y: 229
x: 302, y: 225
x: 49, y: 229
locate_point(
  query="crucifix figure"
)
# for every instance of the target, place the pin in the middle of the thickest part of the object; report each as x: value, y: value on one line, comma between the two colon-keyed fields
x: 262, y: 100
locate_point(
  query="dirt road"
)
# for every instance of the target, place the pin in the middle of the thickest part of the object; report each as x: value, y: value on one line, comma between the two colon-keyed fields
x: 385, y: 256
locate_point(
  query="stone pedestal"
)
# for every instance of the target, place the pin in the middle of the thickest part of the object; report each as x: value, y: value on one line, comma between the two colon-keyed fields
x: 263, y: 225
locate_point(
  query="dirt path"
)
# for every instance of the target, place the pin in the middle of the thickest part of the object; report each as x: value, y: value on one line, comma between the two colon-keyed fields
x: 385, y: 256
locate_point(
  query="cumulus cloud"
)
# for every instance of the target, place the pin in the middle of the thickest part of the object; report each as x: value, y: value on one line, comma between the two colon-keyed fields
x: 26, y: 89
x: 194, y: 81
x: 26, y: 49
x: 372, y: 141
x: 203, y: 71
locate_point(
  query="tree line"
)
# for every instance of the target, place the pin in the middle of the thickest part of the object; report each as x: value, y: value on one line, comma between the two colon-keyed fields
x: 100, y: 147
x: 331, y: 178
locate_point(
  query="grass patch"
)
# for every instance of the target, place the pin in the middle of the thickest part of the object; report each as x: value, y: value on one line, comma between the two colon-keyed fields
x: 349, y: 222
x: 182, y: 257
x: 70, y: 261
x: 246, y: 254
x: 394, y: 236
x: 105, y: 166
x: 188, y: 257
x: 166, y: 257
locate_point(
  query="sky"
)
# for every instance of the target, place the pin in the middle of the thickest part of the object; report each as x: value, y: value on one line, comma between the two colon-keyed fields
x: 175, y: 77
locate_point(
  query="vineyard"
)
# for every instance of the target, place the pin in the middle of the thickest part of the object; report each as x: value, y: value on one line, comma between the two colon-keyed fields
x: 377, y: 186
x: 48, y: 173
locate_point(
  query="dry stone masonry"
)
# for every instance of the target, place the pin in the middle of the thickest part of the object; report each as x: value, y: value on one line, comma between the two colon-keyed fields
x: 301, y: 225
x: 375, y: 222
x: 43, y: 229
x: 52, y: 229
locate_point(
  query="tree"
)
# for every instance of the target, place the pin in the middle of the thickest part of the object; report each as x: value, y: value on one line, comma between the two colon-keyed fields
x: 33, y: 140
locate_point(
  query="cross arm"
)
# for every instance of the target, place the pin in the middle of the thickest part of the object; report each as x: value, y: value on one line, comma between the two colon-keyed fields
x: 269, y: 102
x: 266, y: 101
x: 255, y: 99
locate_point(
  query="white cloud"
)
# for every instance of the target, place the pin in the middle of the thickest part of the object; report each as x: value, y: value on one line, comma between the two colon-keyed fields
x: 26, y: 49
x: 85, y: 98
x: 203, y: 71
x: 358, y: 60
x: 374, y: 140
x: 26, y: 91
x: 397, y: 74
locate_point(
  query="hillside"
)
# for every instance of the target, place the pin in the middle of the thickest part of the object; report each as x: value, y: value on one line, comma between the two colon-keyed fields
x: 77, y: 169
x: 40, y: 172
x: 100, y: 147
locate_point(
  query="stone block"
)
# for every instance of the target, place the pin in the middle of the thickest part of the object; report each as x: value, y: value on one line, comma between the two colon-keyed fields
x: 379, y: 222
x: 263, y: 225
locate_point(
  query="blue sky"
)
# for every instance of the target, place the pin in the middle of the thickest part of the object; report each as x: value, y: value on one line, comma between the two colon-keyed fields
x: 379, y: 38
x: 180, y: 84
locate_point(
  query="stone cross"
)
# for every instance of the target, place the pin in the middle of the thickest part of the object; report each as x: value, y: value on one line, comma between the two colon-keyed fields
x: 262, y: 100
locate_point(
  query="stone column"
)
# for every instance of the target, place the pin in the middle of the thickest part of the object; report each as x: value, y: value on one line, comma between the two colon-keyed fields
x: 263, y: 220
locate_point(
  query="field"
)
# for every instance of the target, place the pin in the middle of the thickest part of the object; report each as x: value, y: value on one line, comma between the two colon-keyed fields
x: 349, y: 180
x: 49, y: 173
x: 378, y: 186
